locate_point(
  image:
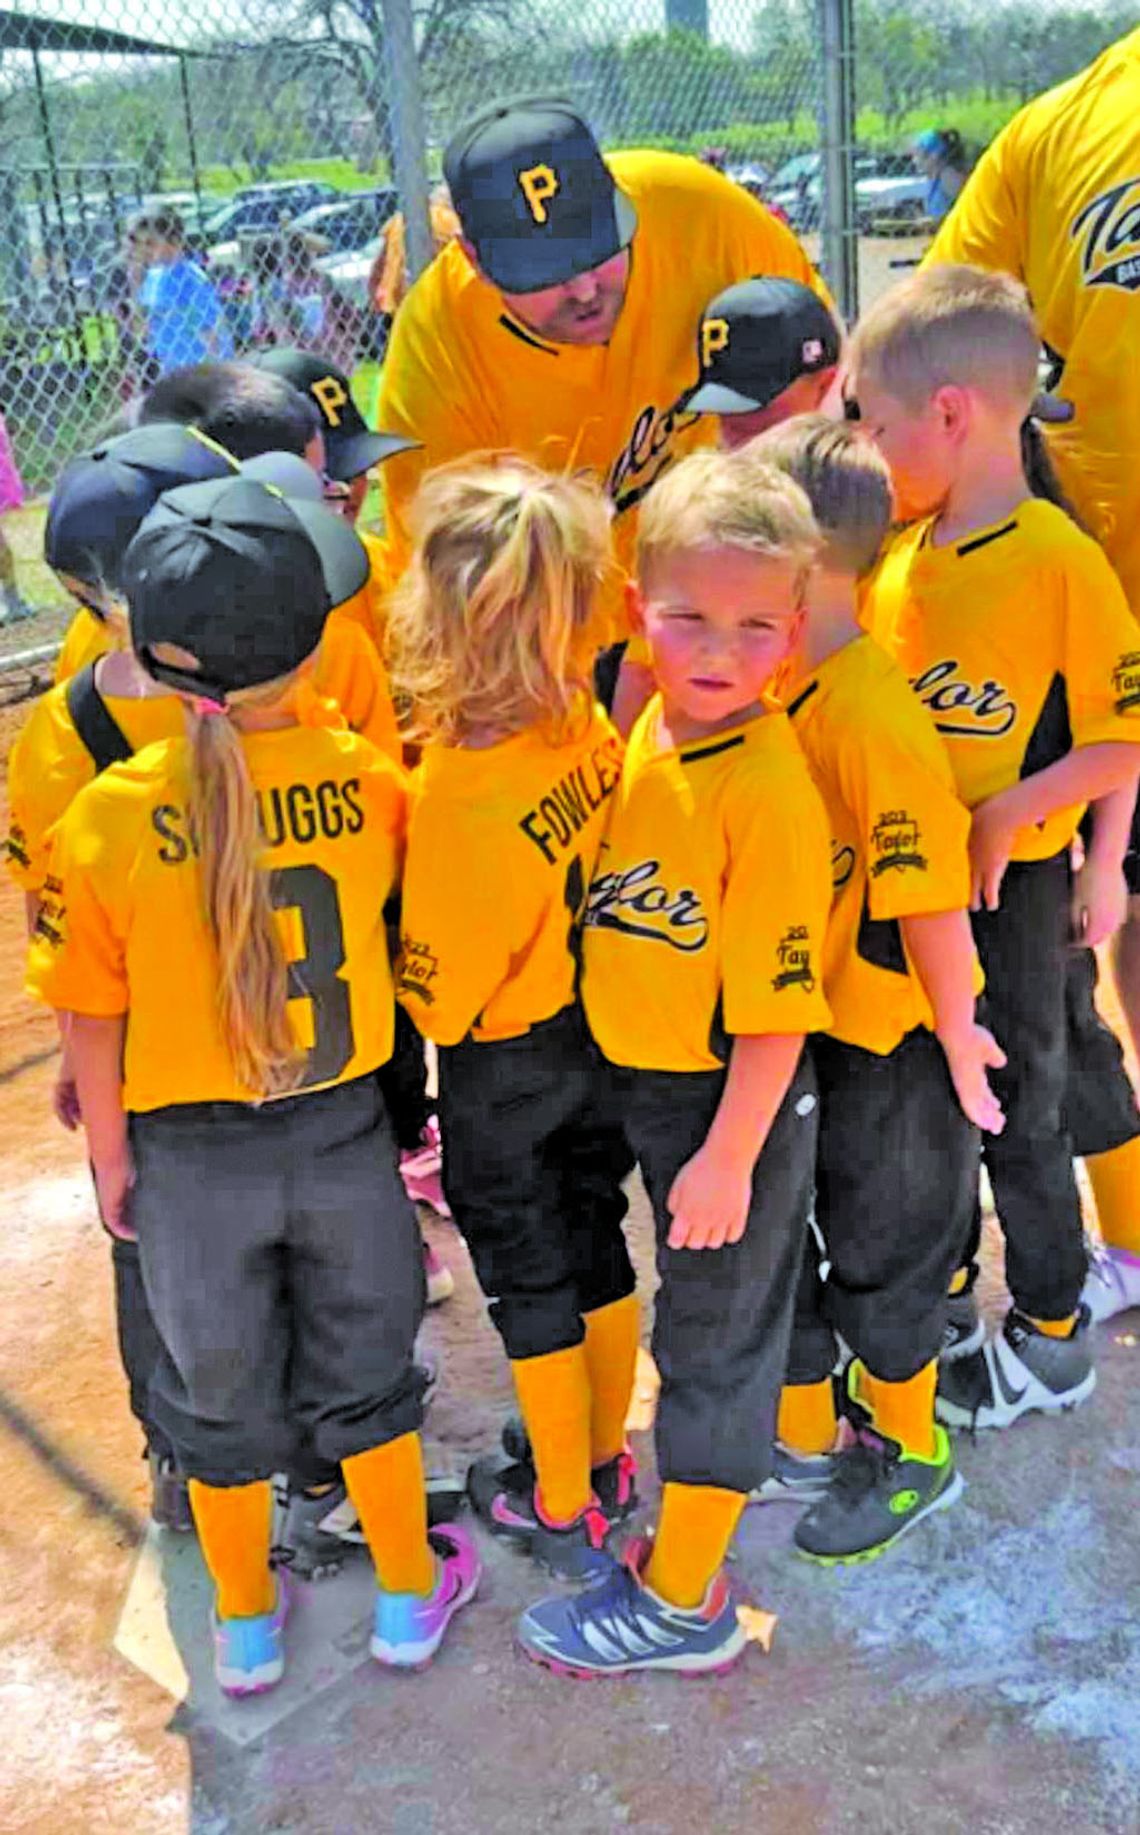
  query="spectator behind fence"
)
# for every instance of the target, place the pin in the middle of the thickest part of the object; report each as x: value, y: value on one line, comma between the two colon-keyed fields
x: 939, y: 154
x: 388, y: 281
x: 175, y: 298
x: 298, y: 305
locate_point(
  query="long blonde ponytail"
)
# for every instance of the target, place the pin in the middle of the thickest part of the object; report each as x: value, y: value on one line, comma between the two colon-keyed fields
x: 253, y: 977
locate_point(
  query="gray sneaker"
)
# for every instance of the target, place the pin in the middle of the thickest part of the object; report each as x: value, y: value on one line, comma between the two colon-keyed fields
x: 877, y: 1494
x: 795, y: 1478
x: 1018, y: 1371
x: 320, y: 1533
x: 964, y: 1333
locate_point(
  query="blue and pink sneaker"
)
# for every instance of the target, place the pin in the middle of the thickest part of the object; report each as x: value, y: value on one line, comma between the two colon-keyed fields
x: 249, y: 1653
x: 620, y: 1627
x: 407, y: 1629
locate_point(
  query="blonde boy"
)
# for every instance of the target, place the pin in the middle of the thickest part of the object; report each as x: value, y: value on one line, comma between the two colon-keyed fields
x: 902, y: 1068
x: 702, y: 953
x: 1016, y: 635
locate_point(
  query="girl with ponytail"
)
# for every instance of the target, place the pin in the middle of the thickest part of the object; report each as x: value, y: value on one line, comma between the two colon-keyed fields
x: 493, y: 639
x: 215, y: 933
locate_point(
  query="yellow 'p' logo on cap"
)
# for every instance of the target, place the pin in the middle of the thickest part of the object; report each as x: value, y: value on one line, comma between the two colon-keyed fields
x: 714, y: 338
x: 331, y: 396
x: 538, y: 185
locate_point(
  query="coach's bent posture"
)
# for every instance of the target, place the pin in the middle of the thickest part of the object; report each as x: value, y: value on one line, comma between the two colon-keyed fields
x: 1056, y: 201
x: 562, y: 325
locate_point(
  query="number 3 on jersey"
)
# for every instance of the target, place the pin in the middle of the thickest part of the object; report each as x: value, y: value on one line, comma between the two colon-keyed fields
x: 315, y: 975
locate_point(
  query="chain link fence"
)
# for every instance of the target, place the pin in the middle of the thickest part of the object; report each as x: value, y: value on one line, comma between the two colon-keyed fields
x: 284, y: 134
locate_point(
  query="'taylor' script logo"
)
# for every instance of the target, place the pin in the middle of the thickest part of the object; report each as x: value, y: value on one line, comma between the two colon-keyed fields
x: 982, y: 711
x: 1111, y: 226
x: 637, y: 903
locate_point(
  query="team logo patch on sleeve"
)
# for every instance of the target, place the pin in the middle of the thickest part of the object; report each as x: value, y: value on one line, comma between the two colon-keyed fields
x: 49, y: 919
x: 417, y: 968
x: 1126, y: 682
x: 793, y: 956
x: 895, y: 838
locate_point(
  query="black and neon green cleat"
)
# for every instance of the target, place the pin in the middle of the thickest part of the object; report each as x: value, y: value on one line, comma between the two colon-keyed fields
x: 878, y: 1493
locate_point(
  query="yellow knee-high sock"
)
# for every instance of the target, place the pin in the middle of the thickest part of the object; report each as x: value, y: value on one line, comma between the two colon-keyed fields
x: 807, y: 1422
x: 696, y: 1526
x: 1115, y: 1179
x: 554, y: 1397
x: 387, y: 1486
x: 234, y: 1524
x: 1055, y: 1328
x: 613, y: 1334
x: 902, y: 1411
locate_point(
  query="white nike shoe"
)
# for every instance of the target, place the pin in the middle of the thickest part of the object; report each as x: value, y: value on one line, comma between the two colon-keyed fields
x: 1112, y: 1285
x: 1018, y: 1371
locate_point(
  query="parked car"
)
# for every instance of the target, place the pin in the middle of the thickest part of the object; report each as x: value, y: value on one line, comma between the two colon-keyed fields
x: 351, y: 222
x: 349, y: 272
x: 887, y: 188
x: 258, y: 208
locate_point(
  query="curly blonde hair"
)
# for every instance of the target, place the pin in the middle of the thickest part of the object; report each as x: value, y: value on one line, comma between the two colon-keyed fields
x: 496, y: 624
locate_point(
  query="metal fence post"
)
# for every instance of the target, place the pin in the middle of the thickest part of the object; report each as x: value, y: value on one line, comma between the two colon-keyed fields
x: 409, y: 134
x: 837, y: 148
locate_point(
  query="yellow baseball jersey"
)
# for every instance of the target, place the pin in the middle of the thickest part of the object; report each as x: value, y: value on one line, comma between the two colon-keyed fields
x: 899, y: 836
x: 501, y: 846
x: 1056, y: 201
x: 49, y: 765
x: 85, y: 641
x: 707, y: 913
x: 462, y: 375
x: 1019, y: 642
x: 122, y: 928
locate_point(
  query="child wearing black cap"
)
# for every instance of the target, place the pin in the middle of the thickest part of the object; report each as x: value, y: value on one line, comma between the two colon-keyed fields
x: 227, y: 888
x: 768, y: 349
x: 108, y: 710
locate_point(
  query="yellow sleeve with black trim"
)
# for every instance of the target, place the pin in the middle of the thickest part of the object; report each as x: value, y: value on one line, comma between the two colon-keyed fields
x: 776, y: 899
x: 85, y: 641
x: 77, y: 962
x: 1102, y: 650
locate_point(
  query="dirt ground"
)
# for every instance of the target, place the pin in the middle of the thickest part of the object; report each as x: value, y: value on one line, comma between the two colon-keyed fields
x: 983, y: 1677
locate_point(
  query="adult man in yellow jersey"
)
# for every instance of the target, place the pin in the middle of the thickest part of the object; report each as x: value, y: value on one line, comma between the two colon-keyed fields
x: 563, y: 322
x: 1056, y: 201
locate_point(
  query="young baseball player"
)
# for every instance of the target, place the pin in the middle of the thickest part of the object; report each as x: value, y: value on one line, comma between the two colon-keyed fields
x: 768, y: 348
x: 107, y: 711
x: 703, y: 956
x: 493, y: 636
x: 1016, y: 636
x: 227, y: 888
x: 902, y: 1068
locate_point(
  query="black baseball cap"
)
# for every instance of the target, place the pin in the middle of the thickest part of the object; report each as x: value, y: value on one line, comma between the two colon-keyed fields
x: 240, y: 576
x: 534, y: 195
x: 756, y: 339
x: 103, y: 495
x: 350, y: 445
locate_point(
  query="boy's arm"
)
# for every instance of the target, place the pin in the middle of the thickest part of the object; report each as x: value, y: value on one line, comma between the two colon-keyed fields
x: 96, y: 1043
x: 711, y: 1195
x: 940, y: 948
x: 1100, y: 896
x: 1085, y: 775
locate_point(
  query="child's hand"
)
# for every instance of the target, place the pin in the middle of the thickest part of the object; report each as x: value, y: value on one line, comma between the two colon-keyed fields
x: 1099, y: 904
x: 709, y: 1201
x: 65, y: 1100
x: 114, y: 1181
x: 991, y: 843
x: 970, y: 1052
